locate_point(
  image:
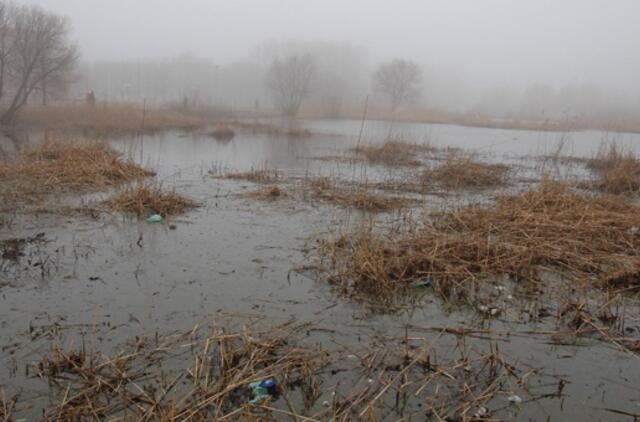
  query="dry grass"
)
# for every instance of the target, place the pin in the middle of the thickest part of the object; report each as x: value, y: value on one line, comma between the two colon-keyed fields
x: 618, y: 169
x: 106, y: 119
x: 262, y: 174
x: 204, y: 374
x: 625, y: 122
x: 267, y: 193
x: 210, y: 381
x: 551, y: 229
x: 66, y: 166
x: 359, y: 197
x: 145, y: 199
x: 460, y: 171
x: 393, y: 153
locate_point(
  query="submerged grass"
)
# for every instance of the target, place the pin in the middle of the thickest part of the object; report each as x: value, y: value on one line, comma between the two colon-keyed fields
x: 145, y: 199
x: 461, y: 171
x: 66, y: 166
x: 550, y: 229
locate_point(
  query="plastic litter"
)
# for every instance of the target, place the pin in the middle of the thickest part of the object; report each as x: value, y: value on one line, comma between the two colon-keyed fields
x: 515, y: 399
x: 424, y: 282
x: 264, y: 389
x: 154, y: 218
x: 481, y: 412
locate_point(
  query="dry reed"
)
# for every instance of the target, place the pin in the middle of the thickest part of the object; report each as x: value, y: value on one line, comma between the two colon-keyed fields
x: 145, y: 199
x: 359, y: 197
x: 222, y: 132
x: 141, y: 382
x: 262, y: 174
x: 106, y: 119
x: 58, y: 166
x: 550, y: 229
x: 618, y: 169
x: 267, y: 193
x: 392, y: 153
x: 461, y: 171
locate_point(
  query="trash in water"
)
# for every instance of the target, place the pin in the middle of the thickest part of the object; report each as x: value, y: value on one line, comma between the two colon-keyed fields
x: 481, y: 413
x: 264, y: 389
x: 424, y: 282
x: 515, y: 399
x: 154, y: 218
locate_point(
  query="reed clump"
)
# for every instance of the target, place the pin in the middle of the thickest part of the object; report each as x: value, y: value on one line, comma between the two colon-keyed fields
x: 551, y: 229
x: 66, y: 166
x: 267, y: 193
x: 263, y: 174
x: 618, y: 169
x: 461, y: 171
x: 222, y: 132
x: 146, y: 199
x: 392, y: 153
x: 359, y: 197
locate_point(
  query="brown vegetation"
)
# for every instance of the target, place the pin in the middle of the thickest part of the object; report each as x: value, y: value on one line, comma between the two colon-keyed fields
x: 222, y: 132
x: 65, y: 166
x: 359, y: 197
x: 460, y: 171
x: 618, y: 170
x: 267, y: 193
x: 257, y: 175
x: 145, y: 199
x: 106, y: 119
x: 392, y: 153
x: 96, y: 386
x: 388, y: 377
x: 551, y: 229
x: 614, y: 123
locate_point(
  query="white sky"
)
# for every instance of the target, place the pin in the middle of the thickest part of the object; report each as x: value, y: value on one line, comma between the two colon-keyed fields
x: 490, y: 41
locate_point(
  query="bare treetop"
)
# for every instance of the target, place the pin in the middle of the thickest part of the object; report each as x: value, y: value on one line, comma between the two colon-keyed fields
x: 34, y: 50
x: 397, y: 81
x: 289, y: 80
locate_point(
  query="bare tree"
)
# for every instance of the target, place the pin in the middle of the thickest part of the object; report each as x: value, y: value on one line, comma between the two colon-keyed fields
x: 39, y: 52
x: 5, y: 43
x: 289, y: 80
x: 398, y: 81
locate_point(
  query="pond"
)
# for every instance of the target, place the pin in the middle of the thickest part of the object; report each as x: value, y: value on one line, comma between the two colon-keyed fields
x: 109, y: 279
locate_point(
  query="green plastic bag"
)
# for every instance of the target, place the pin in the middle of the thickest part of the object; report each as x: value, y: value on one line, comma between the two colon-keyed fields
x: 155, y: 218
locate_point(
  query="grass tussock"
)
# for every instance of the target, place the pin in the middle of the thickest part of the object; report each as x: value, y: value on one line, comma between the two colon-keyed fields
x: 358, y: 197
x: 106, y: 119
x: 551, y: 229
x: 392, y: 153
x: 256, y: 175
x: 222, y: 132
x: 267, y: 193
x: 146, y: 199
x: 618, y: 169
x: 66, y: 166
x: 460, y: 171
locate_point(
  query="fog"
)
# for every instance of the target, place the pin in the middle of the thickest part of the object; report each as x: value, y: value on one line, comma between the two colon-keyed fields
x: 497, y: 56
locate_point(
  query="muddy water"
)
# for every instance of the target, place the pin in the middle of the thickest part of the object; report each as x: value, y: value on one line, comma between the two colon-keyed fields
x: 121, y: 278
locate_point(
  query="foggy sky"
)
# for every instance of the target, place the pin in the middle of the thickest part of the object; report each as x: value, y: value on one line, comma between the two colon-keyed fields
x: 487, y: 41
